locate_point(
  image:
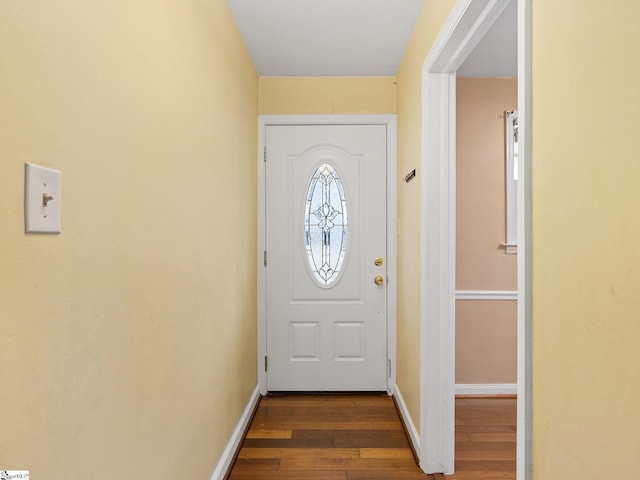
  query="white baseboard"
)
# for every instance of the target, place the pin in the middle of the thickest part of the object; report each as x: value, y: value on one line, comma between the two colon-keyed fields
x: 224, y: 463
x: 414, y: 437
x: 486, y: 389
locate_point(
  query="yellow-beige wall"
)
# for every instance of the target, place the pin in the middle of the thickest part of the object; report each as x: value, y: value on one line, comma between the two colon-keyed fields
x: 485, y: 329
x: 327, y: 95
x: 129, y: 340
x: 409, y: 100
x: 586, y: 233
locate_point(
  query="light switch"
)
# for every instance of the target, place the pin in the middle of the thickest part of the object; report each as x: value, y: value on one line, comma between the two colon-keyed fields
x: 42, y: 199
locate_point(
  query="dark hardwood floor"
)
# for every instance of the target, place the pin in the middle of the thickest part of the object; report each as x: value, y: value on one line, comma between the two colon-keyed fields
x: 360, y: 437
x: 485, y: 439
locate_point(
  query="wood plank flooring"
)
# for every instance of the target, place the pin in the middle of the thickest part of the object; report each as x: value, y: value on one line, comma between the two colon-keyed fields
x: 485, y: 439
x: 360, y: 437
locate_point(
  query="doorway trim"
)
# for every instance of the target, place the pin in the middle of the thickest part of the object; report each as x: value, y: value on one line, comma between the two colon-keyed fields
x: 388, y: 120
x: 467, y: 23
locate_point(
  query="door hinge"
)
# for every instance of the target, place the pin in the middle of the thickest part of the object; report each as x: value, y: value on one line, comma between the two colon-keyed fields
x: 389, y: 367
x: 265, y: 154
x: 266, y: 363
x: 265, y: 258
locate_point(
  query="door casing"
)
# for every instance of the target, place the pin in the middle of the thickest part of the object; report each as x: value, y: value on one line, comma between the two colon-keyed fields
x: 391, y: 123
x: 468, y: 21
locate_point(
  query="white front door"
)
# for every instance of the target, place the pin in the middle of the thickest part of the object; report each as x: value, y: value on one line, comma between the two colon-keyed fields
x: 326, y: 245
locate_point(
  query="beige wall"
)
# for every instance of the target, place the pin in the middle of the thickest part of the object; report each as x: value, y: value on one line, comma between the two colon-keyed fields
x: 129, y: 340
x: 485, y: 330
x: 586, y: 260
x: 409, y: 100
x: 327, y: 95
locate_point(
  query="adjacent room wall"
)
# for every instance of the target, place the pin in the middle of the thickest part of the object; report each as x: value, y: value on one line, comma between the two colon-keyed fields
x: 327, y: 95
x: 586, y: 233
x: 485, y: 329
x: 486, y: 349
x: 129, y: 340
x: 409, y: 100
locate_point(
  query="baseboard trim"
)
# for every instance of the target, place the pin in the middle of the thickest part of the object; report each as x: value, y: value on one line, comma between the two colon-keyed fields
x: 410, y: 428
x: 228, y: 455
x: 486, y: 389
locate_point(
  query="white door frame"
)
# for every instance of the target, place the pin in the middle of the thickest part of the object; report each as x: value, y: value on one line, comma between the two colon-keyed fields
x: 468, y: 22
x: 390, y: 122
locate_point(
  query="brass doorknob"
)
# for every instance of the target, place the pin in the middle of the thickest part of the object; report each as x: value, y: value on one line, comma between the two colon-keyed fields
x: 378, y: 280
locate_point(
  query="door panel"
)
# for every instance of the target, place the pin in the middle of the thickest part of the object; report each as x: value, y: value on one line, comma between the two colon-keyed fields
x: 325, y: 226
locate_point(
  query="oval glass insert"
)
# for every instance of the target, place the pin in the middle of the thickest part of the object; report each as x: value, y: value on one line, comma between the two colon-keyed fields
x: 326, y: 225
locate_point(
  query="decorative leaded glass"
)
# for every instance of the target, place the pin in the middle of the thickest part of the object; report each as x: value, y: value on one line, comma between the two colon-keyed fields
x: 326, y: 225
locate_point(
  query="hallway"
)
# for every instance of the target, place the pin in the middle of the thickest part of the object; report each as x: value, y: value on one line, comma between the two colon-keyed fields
x: 358, y: 437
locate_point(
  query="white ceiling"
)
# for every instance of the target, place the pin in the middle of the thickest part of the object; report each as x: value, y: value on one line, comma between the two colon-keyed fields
x: 497, y: 53
x: 354, y: 37
x: 326, y: 37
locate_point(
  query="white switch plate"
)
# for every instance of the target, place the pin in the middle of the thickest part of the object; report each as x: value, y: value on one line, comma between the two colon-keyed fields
x: 41, y: 213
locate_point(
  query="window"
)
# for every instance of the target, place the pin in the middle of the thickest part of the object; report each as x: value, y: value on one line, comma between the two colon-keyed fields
x: 326, y: 225
x: 511, y: 181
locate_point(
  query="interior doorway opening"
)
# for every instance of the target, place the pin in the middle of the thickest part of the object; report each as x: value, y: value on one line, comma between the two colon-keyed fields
x: 466, y: 26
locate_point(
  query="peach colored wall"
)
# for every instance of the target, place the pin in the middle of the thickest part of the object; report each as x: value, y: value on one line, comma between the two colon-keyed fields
x: 486, y: 341
x: 128, y: 342
x: 485, y: 330
x: 480, y: 264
